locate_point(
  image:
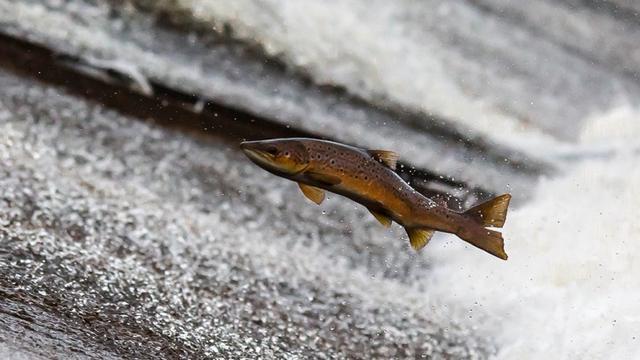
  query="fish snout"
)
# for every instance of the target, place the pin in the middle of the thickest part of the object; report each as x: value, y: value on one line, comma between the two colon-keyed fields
x: 250, y: 147
x: 284, y: 157
x: 247, y: 145
x: 256, y: 151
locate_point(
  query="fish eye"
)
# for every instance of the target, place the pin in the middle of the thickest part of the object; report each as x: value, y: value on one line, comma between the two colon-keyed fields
x: 286, y: 153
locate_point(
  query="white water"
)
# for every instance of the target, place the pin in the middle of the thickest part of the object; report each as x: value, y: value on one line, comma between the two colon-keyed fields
x: 376, y: 49
x: 571, y: 287
x: 486, y: 71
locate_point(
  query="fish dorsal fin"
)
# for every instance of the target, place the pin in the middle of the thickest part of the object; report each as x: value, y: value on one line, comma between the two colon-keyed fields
x: 323, y: 178
x: 419, y: 237
x: 312, y: 193
x: 388, y: 158
x: 383, y: 219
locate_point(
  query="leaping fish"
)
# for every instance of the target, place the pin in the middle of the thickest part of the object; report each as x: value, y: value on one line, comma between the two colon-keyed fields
x: 368, y: 177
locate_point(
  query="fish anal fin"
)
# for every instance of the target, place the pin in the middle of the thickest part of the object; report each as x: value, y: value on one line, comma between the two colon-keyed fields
x: 419, y: 237
x: 323, y: 178
x: 388, y: 158
x: 312, y: 193
x: 382, y: 218
x: 492, y: 212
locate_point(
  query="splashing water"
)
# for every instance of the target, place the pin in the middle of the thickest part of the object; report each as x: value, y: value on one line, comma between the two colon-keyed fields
x: 570, y: 287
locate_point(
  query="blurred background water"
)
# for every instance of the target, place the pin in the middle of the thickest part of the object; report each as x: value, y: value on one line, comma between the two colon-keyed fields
x: 129, y: 238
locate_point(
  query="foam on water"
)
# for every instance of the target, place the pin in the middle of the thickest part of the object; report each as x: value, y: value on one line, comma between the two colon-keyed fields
x: 376, y: 49
x: 570, y: 287
x: 477, y: 68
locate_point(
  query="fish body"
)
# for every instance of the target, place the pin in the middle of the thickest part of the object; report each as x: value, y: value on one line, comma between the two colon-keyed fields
x: 368, y: 177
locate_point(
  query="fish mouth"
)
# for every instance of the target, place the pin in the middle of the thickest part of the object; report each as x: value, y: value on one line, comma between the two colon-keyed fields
x: 261, y: 153
x: 255, y: 153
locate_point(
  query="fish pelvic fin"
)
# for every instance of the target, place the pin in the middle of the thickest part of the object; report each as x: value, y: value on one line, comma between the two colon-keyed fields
x: 488, y: 240
x: 312, y: 193
x: 491, y: 213
x: 382, y: 218
x: 419, y: 237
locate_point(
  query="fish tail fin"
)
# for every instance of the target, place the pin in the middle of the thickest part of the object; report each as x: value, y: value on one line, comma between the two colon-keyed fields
x: 488, y: 240
x: 492, y: 212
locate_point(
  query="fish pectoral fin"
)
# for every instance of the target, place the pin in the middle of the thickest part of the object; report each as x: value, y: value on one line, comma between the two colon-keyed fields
x: 419, y: 237
x: 382, y: 218
x: 312, y: 193
x: 323, y: 178
x: 388, y: 158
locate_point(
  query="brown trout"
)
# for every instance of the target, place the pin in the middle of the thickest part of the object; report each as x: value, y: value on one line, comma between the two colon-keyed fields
x: 369, y: 178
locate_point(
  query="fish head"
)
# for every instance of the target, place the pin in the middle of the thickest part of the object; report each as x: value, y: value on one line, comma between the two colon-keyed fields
x: 285, y: 157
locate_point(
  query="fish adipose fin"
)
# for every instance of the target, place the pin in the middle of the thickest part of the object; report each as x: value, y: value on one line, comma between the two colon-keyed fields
x: 383, y: 219
x: 312, y: 193
x: 388, y: 158
x: 419, y: 237
x: 491, y: 213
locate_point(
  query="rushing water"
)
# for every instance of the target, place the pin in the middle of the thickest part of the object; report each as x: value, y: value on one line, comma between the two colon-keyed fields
x: 124, y: 238
x: 570, y: 287
x: 142, y: 242
x: 503, y: 69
